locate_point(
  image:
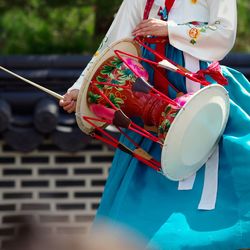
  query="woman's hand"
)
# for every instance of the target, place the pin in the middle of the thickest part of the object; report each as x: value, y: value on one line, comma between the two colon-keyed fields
x: 151, y: 27
x: 68, y: 103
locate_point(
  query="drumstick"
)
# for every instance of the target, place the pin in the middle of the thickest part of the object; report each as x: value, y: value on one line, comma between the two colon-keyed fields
x: 48, y: 91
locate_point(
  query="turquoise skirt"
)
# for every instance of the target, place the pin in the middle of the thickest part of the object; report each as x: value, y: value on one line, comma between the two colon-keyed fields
x: 147, y: 203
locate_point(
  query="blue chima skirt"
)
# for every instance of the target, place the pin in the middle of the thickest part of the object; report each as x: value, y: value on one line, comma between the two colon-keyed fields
x: 146, y: 202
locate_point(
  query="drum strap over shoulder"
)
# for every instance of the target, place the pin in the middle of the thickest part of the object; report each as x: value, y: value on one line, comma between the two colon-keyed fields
x: 159, y: 82
x: 148, y: 8
x: 168, y: 4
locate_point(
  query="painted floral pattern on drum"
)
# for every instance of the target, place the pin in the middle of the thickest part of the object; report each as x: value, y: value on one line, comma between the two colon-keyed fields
x: 113, y: 72
x: 167, y: 118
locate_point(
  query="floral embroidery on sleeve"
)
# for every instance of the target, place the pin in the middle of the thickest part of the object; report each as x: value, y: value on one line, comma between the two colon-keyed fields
x: 194, y: 33
x: 197, y: 28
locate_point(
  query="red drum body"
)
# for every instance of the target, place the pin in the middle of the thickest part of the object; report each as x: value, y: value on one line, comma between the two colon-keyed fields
x: 115, y: 80
x: 115, y: 89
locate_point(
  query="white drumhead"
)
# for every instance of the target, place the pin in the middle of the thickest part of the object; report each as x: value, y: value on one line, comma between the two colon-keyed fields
x: 195, y: 132
x: 82, y: 109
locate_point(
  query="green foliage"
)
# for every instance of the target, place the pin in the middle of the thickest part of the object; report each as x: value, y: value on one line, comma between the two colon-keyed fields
x: 73, y: 26
x: 243, y: 35
x: 38, y: 28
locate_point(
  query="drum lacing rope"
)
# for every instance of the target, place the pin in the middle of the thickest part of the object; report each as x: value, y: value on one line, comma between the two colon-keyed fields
x: 115, y: 143
x: 134, y: 127
x: 118, y: 52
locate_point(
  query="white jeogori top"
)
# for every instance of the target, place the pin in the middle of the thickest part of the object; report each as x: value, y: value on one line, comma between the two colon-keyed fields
x: 210, y: 38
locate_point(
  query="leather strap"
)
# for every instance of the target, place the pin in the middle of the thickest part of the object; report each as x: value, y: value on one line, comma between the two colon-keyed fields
x: 148, y: 8
x: 159, y: 82
x: 169, y: 4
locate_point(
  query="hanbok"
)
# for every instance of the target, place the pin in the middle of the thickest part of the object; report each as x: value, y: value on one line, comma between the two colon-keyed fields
x: 202, y: 212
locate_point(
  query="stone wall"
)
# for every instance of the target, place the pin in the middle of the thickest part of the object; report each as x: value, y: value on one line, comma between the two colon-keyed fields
x: 60, y: 191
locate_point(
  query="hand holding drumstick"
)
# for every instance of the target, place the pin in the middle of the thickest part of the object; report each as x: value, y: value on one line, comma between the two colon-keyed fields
x: 68, y: 103
x: 146, y: 27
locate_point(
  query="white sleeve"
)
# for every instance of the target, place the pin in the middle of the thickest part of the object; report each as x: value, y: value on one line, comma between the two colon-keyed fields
x: 129, y: 15
x: 208, y: 42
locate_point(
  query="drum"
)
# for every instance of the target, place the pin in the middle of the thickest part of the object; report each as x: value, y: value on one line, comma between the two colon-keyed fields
x: 195, y: 131
x: 116, y: 89
x: 82, y: 106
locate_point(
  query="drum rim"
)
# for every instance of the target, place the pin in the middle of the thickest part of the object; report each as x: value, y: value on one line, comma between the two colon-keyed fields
x: 172, y: 127
x: 82, y: 124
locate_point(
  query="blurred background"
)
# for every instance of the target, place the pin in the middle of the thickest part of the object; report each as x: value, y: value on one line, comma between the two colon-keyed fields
x: 50, y: 172
x: 43, y: 26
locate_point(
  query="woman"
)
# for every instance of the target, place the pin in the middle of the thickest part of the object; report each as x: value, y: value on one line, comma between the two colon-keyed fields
x: 184, y: 216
